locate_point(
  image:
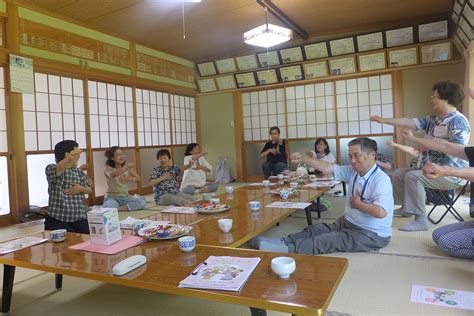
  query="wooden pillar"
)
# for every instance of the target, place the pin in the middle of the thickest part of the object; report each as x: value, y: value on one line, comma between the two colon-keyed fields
x: 18, y: 176
x: 239, y: 136
x: 398, y: 113
x: 469, y: 83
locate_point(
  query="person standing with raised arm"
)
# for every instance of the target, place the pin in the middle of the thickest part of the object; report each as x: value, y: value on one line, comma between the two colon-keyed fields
x: 447, y: 123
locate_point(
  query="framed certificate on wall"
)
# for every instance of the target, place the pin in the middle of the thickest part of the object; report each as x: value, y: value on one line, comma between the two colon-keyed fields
x: 468, y: 13
x: 207, y: 69
x: 433, y: 31
x: 207, y: 85
x: 371, y: 62
x: 226, y: 65
x: 291, y: 55
x: 226, y: 82
x: 245, y: 80
x: 399, y: 37
x: 370, y: 42
x: 267, y: 76
x: 247, y: 62
x: 316, y: 70
x: 436, y: 53
x: 268, y: 59
x: 342, y: 66
x: 292, y: 73
x: 315, y: 51
x: 403, y: 57
x: 342, y: 46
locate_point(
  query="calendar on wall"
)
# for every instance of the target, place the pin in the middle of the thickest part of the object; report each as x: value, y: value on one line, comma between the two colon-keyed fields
x: 21, y: 74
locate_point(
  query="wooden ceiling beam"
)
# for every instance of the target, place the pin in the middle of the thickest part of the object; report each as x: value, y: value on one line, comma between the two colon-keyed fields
x: 285, y: 19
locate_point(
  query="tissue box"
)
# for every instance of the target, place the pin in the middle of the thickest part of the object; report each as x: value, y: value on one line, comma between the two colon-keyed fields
x: 104, y: 225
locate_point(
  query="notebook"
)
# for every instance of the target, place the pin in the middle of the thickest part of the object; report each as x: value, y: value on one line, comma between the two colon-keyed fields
x: 125, y: 243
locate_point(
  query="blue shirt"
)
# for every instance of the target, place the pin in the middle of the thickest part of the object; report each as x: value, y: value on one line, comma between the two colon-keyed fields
x: 454, y: 128
x: 378, y: 191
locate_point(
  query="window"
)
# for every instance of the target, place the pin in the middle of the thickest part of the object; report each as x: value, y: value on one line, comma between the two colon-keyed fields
x: 262, y: 110
x: 183, y: 113
x: 111, y: 115
x: 54, y: 112
x: 153, y: 118
x: 4, y: 190
x: 359, y: 99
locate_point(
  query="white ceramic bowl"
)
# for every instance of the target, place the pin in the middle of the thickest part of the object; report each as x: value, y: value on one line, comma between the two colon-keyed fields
x: 58, y: 235
x: 187, y: 243
x: 294, y: 185
x: 254, y: 205
x: 229, y: 189
x: 225, y: 224
x: 280, y: 176
x: 283, y: 266
x: 266, y: 183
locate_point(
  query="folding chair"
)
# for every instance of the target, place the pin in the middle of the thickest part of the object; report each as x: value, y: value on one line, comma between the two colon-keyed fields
x: 449, y: 205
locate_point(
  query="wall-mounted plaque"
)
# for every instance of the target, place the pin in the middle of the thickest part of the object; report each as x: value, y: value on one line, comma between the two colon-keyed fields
x: 454, y: 18
x: 267, y: 76
x: 458, y: 43
x: 226, y: 65
x: 372, y: 62
x: 468, y: 13
x: 207, y: 69
x: 370, y: 41
x: 226, y: 82
x: 268, y: 59
x: 399, y: 37
x: 463, y: 37
x: 436, y: 52
x: 403, y: 57
x: 318, y: 50
x: 433, y: 31
x: 247, y: 62
x: 466, y: 27
x: 342, y: 66
x: 207, y: 85
x: 457, y: 8
x: 291, y: 55
x: 342, y: 46
x: 315, y: 70
x: 245, y: 80
x: 292, y: 73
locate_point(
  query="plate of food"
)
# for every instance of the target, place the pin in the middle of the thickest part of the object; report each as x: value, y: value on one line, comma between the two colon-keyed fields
x: 211, y: 208
x: 292, y: 191
x: 162, y: 232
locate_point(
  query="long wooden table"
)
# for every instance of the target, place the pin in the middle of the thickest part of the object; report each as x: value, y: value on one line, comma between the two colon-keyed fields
x: 307, y: 292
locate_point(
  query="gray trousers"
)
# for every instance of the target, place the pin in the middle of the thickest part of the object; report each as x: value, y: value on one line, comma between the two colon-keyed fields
x: 340, y: 236
x: 409, y: 189
x: 177, y: 199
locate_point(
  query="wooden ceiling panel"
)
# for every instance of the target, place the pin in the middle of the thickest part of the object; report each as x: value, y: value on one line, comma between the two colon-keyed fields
x: 214, y: 28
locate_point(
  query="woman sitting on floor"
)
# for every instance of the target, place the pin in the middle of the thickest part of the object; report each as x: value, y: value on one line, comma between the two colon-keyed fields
x: 165, y: 183
x: 321, y: 151
x: 194, y: 177
x: 119, y: 174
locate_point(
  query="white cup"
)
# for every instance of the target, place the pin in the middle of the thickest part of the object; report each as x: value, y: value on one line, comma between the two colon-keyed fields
x: 280, y: 176
x: 187, y: 243
x: 294, y: 185
x: 225, y: 224
x: 283, y: 266
x: 58, y: 235
x: 254, y: 205
x: 266, y: 183
x: 312, y: 177
x: 229, y: 189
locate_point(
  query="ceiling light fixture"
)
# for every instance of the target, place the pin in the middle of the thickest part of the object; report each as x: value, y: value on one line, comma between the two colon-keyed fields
x: 267, y: 35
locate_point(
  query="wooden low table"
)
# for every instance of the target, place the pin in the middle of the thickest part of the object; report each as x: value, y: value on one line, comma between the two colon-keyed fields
x: 246, y: 223
x: 307, y: 292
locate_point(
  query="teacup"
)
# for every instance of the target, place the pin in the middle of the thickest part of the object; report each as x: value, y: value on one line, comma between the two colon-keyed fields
x: 207, y: 197
x: 215, y: 201
x: 284, y: 194
x: 229, y: 189
x: 58, y: 235
x: 294, y: 185
x: 187, y: 243
x: 312, y: 177
x: 283, y: 266
x: 225, y: 224
x: 280, y: 176
x: 254, y: 205
x: 266, y: 183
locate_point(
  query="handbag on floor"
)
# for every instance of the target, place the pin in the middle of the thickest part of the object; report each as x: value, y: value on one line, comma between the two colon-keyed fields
x: 223, y: 171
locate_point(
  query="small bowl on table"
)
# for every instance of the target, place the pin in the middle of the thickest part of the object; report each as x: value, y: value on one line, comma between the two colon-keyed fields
x: 283, y: 266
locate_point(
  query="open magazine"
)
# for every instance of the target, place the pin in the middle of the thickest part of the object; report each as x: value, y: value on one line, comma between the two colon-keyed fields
x: 21, y: 243
x: 221, y: 273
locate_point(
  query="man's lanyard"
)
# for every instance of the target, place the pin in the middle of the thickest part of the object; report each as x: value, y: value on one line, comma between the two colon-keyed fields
x: 365, y: 183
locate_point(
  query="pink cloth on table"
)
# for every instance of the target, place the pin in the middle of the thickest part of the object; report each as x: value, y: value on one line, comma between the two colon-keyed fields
x: 121, y: 245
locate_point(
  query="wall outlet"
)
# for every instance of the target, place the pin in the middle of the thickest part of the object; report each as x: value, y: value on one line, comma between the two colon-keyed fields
x: 232, y: 123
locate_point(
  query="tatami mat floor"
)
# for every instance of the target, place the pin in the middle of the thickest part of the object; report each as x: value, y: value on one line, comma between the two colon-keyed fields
x: 374, y: 284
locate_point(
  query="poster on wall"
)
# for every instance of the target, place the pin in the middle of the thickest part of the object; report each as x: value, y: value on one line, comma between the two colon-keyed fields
x: 436, y: 53
x: 399, y: 37
x: 267, y: 77
x: 207, y: 85
x: 268, y: 59
x: 21, y: 74
x: 245, y: 80
x: 433, y: 31
x: 318, y: 50
x: 370, y: 41
x: 207, y: 69
x: 342, y: 46
x: 291, y: 73
x: 372, y: 62
x: 226, y: 65
x: 226, y: 82
x: 315, y: 70
x: 403, y: 57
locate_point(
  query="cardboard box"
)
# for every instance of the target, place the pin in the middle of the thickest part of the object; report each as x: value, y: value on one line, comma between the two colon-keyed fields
x: 104, y: 225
